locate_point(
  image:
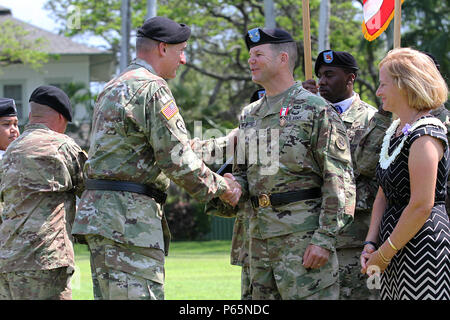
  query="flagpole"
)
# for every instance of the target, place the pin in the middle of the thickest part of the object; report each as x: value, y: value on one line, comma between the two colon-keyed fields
x: 307, y: 40
x: 397, y: 23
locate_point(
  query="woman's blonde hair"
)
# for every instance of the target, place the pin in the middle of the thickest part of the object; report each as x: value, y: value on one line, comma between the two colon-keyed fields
x: 417, y: 76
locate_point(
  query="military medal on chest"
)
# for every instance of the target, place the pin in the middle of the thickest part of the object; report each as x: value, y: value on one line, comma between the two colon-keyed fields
x: 283, y: 113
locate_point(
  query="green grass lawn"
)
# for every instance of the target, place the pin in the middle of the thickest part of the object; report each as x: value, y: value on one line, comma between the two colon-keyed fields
x: 194, y: 271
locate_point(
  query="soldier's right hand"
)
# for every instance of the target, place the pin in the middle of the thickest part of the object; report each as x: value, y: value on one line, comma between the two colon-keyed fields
x: 310, y: 85
x: 234, y: 191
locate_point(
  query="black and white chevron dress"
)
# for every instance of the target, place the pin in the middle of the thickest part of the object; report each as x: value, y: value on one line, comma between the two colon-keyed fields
x: 421, y: 269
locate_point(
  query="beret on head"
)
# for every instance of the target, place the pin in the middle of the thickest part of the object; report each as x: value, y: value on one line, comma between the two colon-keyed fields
x: 332, y: 58
x: 436, y: 63
x: 258, y: 94
x: 7, y: 107
x: 54, y: 98
x: 164, y: 30
x: 258, y: 36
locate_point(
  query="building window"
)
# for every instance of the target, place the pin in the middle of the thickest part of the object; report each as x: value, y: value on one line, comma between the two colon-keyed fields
x: 14, y: 91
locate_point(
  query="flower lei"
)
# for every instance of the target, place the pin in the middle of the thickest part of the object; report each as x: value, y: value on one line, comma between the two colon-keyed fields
x: 385, y: 159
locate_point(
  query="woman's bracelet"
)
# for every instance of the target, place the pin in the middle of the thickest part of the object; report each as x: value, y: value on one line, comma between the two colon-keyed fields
x: 371, y: 243
x: 383, y: 258
x: 391, y: 244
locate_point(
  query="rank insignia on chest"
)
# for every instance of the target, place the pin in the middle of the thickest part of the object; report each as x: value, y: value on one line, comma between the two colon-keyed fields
x: 169, y: 110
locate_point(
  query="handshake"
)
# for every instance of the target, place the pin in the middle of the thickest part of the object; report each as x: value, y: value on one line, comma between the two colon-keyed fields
x: 234, y: 191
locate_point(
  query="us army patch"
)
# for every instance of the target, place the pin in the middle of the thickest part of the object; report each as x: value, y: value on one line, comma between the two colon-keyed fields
x: 169, y: 110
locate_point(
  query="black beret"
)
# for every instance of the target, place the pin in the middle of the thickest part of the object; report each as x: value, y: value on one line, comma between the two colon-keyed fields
x: 7, y: 107
x: 258, y: 36
x: 258, y: 94
x: 164, y: 30
x: 332, y: 58
x: 54, y: 98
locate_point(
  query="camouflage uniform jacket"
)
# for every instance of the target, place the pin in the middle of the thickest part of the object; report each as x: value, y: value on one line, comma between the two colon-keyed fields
x: 42, y: 174
x: 370, y: 143
x: 310, y: 150
x: 443, y: 114
x: 356, y: 119
x: 138, y: 135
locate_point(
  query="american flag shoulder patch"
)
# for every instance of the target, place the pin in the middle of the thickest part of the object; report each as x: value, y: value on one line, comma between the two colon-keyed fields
x: 169, y: 110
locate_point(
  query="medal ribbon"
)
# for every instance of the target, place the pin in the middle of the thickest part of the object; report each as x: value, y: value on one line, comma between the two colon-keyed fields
x: 284, y: 111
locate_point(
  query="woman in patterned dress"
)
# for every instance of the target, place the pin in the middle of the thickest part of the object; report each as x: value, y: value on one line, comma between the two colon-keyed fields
x: 409, y: 235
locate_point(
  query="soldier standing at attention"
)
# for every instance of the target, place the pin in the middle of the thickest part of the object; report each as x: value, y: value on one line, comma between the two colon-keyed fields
x: 139, y: 142
x: 42, y: 174
x: 304, y: 195
x: 9, y: 130
x: 337, y: 72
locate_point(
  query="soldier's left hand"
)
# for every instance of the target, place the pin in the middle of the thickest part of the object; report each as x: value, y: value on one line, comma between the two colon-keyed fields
x: 315, y: 257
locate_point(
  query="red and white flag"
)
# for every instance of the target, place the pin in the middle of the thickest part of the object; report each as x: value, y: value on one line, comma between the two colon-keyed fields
x: 377, y: 16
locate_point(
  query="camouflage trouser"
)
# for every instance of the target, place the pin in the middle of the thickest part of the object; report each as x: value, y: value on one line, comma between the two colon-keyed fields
x: 246, y: 287
x: 53, y: 284
x: 277, y: 272
x: 353, y: 284
x: 125, y: 272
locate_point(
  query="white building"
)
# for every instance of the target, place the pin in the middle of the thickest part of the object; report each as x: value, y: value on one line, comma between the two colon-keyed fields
x: 75, y: 63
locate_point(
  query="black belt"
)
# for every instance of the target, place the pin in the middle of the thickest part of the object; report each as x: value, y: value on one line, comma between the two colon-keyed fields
x: 278, y: 199
x: 114, y: 185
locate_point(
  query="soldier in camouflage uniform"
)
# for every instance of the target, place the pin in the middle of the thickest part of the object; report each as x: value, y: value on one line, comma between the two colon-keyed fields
x: 337, y: 71
x: 442, y: 114
x: 9, y: 130
x: 305, y: 193
x: 139, y: 142
x: 42, y: 174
